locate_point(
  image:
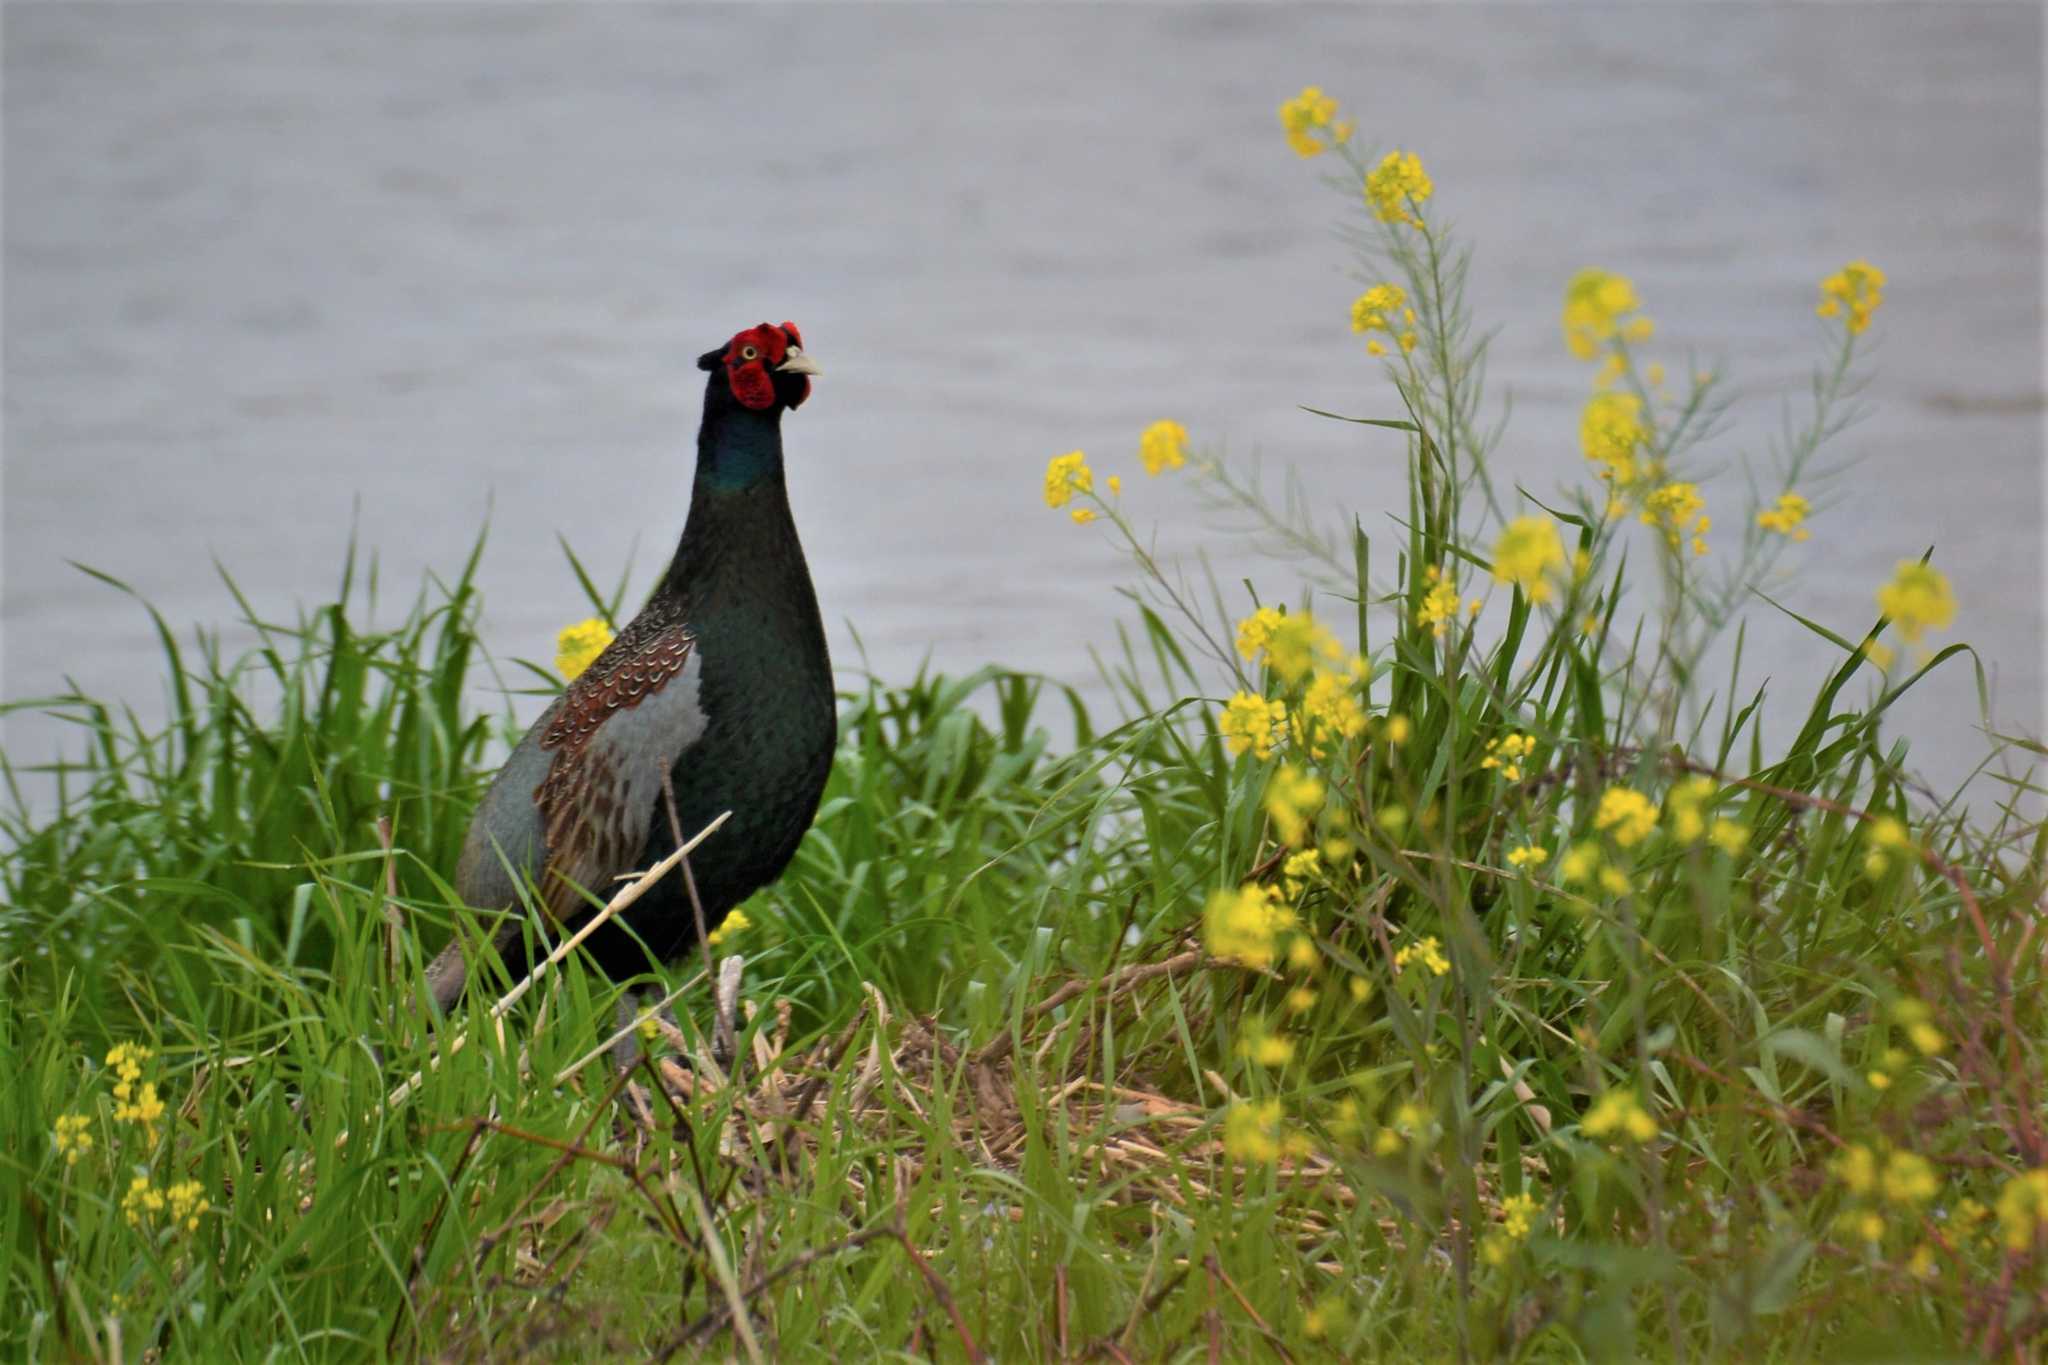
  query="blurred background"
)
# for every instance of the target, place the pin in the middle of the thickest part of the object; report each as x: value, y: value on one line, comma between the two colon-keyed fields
x: 277, y: 273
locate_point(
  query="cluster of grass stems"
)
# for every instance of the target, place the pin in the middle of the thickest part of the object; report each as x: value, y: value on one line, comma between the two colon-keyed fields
x: 1040, y: 1116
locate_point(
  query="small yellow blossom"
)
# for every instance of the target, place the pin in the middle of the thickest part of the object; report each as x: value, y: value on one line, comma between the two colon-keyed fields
x: 1428, y: 952
x: 1728, y: 836
x: 1294, y: 644
x: 1397, y: 187
x: 187, y: 1201
x: 1684, y: 805
x: 1853, y: 294
x: 1245, y: 925
x: 1598, y: 305
x: 74, y: 1137
x: 1301, y: 999
x: 1786, y: 516
x: 1612, y: 434
x: 1918, y: 1021
x: 1439, y: 605
x: 1292, y: 799
x: 1856, y: 1167
x: 1302, y: 954
x: 1879, y: 1081
x: 1397, y: 729
x: 141, y: 1200
x: 2023, y: 1209
x: 1506, y: 754
x: 1307, y: 113
x: 1867, y: 1224
x: 1917, y: 599
x: 1526, y: 553
x: 1369, y: 310
x: 1329, y: 710
x: 1066, y: 475
x: 1374, y: 346
x: 1531, y: 856
x: 1252, y: 722
x: 1251, y: 1132
x: 729, y: 928
x: 1678, y: 510
x: 1082, y: 515
x: 1360, y: 988
x: 1579, y: 863
x: 1265, y: 1047
x: 1618, y: 1113
x: 1297, y: 873
x: 1908, y: 1179
x: 578, y: 646
x: 1615, y: 882
x: 1254, y: 631
x: 1116, y: 485
x: 126, y: 1060
x: 1163, y: 446
x: 1407, y: 340
x: 1626, y: 814
x: 145, y: 1108
x: 1885, y: 836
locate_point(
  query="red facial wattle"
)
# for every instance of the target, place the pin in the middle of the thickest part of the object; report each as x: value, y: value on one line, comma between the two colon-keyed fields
x: 751, y: 359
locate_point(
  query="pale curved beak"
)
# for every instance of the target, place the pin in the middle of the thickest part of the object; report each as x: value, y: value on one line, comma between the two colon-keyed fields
x: 798, y: 363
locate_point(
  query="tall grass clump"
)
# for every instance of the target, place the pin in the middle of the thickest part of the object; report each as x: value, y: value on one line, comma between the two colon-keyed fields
x: 1432, y: 961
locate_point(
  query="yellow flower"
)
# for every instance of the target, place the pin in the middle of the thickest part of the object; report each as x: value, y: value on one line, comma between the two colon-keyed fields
x: 1252, y: 722
x: 141, y: 1200
x: 1251, y: 1132
x: 1618, y: 1113
x: 578, y: 646
x: 1596, y: 303
x: 1266, y: 1048
x: 1525, y: 554
x: 145, y: 1108
x: 1856, y: 290
x: 1397, y: 729
x: 1439, y: 605
x: 2023, y: 1208
x: 1328, y: 710
x: 1917, y: 599
x: 1295, y: 874
x: 729, y: 928
x: 1307, y: 112
x: 1294, y: 644
x: 1369, y: 310
x: 1918, y: 1021
x: 1728, y: 836
x: 1611, y: 433
x: 1529, y: 856
x: 1245, y: 925
x: 1328, y: 1318
x: 1292, y: 797
x: 1885, y: 836
x: 1254, y: 631
x: 1856, y: 1168
x: 1685, y: 804
x: 74, y: 1138
x: 1426, y: 951
x: 1397, y: 187
x: 1066, y: 475
x: 126, y: 1059
x: 1579, y: 863
x: 1678, y: 510
x: 1082, y: 515
x: 1116, y: 485
x: 1908, y: 1179
x: 187, y: 1201
x: 1163, y: 446
x: 1879, y: 1081
x: 1786, y: 515
x: 1626, y: 814
x: 1506, y: 754
x: 1615, y: 882
x: 1865, y: 1223
x: 1374, y: 346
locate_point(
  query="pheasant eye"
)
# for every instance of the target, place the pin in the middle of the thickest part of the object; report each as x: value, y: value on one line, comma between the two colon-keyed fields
x: 749, y: 353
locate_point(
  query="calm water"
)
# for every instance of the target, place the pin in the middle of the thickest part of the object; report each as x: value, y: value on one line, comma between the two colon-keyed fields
x: 273, y: 270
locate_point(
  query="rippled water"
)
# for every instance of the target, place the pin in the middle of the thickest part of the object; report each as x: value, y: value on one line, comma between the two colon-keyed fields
x: 271, y: 271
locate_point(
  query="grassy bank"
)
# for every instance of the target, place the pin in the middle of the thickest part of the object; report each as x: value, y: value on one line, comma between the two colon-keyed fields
x: 1432, y: 960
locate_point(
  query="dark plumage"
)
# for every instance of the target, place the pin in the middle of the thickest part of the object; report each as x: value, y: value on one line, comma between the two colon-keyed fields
x: 722, y: 680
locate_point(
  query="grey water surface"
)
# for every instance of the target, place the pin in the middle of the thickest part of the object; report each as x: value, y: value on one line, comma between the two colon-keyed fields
x: 277, y: 274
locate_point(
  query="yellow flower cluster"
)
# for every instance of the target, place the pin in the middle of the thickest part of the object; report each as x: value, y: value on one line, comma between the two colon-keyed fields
x: 1293, y: 644
x: 1917, y: 599
x: 1678, y: 510
x: 1599, y: 306
x: 1531, y: 856
x: 1517, y: 1221
x: 74, y: 1137
x: 1618, y: 1113
x: 1439, y: 605
x: 184, y: 1202
x: 1853, y: 294
x: 1918, y: 1021
x: 1786, y: 516
x: 1329, y: 710
x: 135, y: 1100
x: 1292, y: 799
x: 1902, y: 1178
x: 1686, y: 808
x: 2023, y: 1209
x: 1582, y: 864
x: 1162, y: 446
x: 1264, y: 1046
x: 1506, y: 753
x: 1251, y: 1132
x: 1066, y: 475
x: 1309, y: 113
x: 1372, y: 312
x: 729, y: 928
x: 1426, y: 951
x: 1410, y: 1123
x: 1611, y: 433
x: 1526, y: 553
x: 1252, y: 722
x: 1885, y: 836
x: 578, y: 646
x: 1398, y: 187
x: 1626, y: 814
x: 1246, y: 925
